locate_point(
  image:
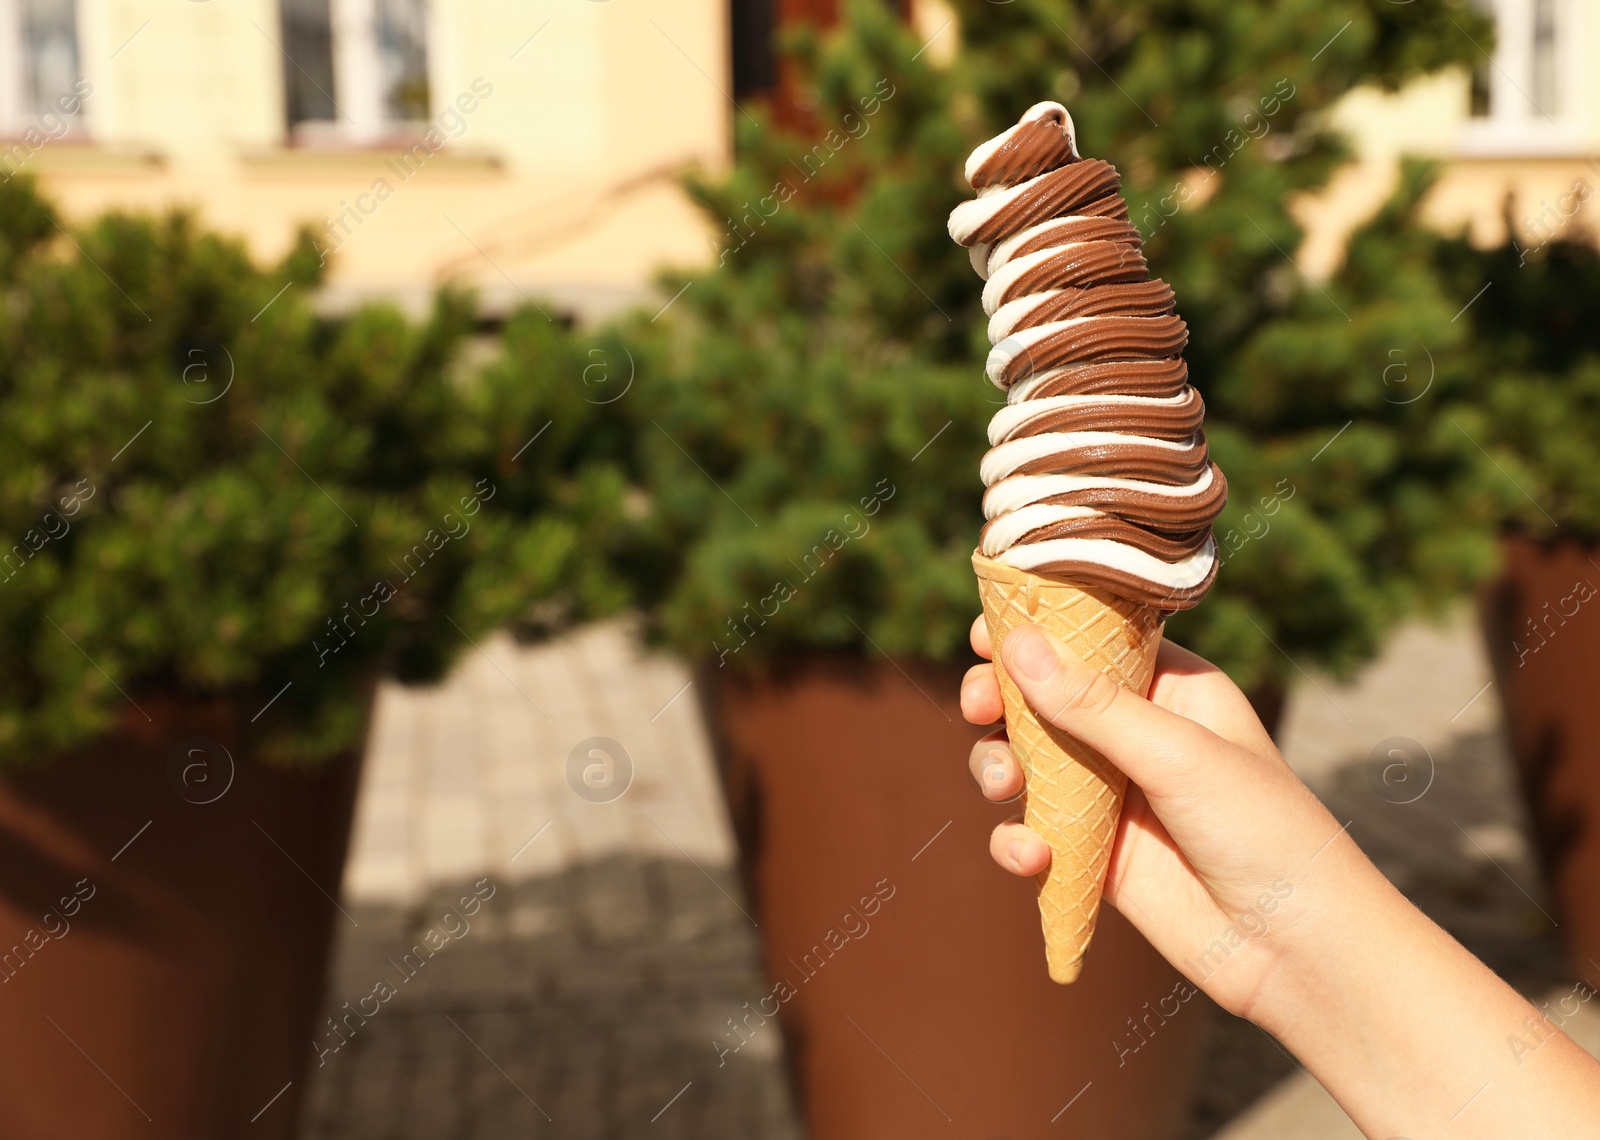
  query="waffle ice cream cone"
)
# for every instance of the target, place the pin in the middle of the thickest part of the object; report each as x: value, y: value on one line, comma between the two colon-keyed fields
x: 1074, y: 795
x: 1100, y: 489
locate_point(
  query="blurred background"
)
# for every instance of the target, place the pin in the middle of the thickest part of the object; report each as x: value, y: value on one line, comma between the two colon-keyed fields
x: 486, y: 493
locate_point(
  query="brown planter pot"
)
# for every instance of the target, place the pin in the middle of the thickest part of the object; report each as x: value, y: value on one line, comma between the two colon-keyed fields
x: 164, y: 923
x: 1542, y: 626
x: 929, y: 1014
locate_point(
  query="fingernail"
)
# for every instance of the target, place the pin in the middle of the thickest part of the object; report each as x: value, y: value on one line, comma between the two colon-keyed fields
x: 1031, y: 654
x: 1014, y: 853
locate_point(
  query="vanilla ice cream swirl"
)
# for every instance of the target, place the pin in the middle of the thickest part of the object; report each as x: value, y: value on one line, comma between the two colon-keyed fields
x: 1097, y: 470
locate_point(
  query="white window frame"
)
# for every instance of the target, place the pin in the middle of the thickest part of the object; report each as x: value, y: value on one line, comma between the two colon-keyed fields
x: 359, y: 112
x: 16, y: 117
x: 1515, y: 124
x: 357, y: 82
x: 11, y: 116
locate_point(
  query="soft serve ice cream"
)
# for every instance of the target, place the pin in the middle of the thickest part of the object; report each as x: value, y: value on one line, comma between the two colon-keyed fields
x: 1098, y: 470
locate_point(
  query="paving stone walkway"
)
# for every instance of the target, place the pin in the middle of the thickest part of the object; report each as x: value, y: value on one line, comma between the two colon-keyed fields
x: 579, y: 998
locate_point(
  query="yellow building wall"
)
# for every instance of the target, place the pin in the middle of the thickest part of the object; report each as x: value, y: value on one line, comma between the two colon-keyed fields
x: 1549, y: 180
x: 562, y: 184
x: 575, y: 120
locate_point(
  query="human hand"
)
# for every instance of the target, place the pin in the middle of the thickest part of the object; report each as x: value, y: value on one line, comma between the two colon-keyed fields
x: 1238, y: 875
x: 1217, y: 833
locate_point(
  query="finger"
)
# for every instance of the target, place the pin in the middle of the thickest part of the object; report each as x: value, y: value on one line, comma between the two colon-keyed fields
x: 1164, y: 753
x: 1144, y: 849
x: 1151, y: 882
x: 996, y: 770
x: 980, y: 695
x: 1189, y: 685
x: 1019, y: 849
x: 979, y: 636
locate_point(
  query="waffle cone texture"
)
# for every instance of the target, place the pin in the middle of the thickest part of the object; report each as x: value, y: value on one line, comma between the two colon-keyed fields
x: 1073, y: 795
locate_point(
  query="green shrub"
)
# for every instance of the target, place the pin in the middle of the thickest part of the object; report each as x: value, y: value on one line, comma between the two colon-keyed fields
x: 838, y: 346
x: 207, y: 489
x: 1536, y: 325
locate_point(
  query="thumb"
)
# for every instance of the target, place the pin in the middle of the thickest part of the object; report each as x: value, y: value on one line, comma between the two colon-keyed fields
x: 1156, y: 748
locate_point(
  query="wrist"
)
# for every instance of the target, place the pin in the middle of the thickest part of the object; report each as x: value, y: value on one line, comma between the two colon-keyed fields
x: 1327, y: 951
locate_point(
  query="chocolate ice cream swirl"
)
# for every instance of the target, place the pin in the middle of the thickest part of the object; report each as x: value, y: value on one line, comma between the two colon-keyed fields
x: 1098, y: 470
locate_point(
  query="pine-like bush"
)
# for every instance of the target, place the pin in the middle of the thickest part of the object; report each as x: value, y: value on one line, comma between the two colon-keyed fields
x: 209, y: 490
x: 812, y: 411
x: 1535, y: 314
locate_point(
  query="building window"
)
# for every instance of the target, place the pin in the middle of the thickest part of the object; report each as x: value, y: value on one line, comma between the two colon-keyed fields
x: 1530, y: 96
x: 1478, y: 93
x: 39, y: 67
x: 308, y: 62
x: 402, y: 30
x: 751, y: 35
x: 1544, y: 67
x: 355, y: 71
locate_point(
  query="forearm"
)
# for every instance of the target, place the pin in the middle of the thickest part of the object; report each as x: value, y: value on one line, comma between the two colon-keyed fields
x: 1221, y: 861
x: 1412, y: 1035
